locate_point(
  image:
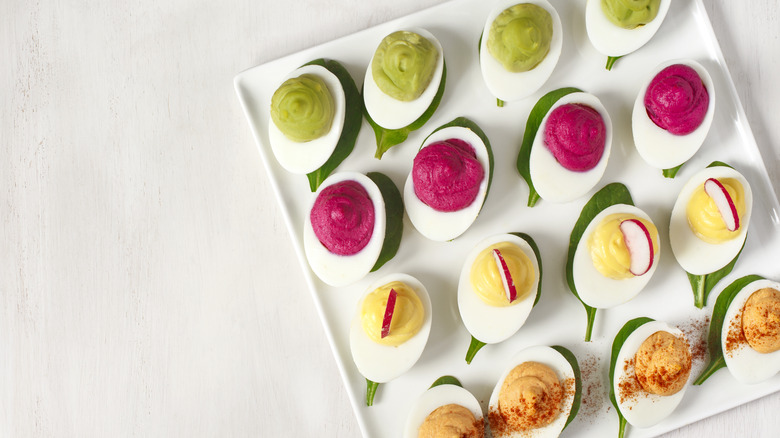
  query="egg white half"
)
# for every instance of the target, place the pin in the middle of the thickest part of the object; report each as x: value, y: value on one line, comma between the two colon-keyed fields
x: 447, y: 225
x: 341, y: 270
x: 554, y: 182
x: 693, y: 254
x: 553, y: 359
x: 657, y: 146
x: 509, y: 86
x: 391, y: 113
x: 645, y: 409
x: 306, y: 157
x: 382, y: 363
x: 487, y: 323
x: 595, y: 289
x: 746, y: 364
x: 434, y: 398
x: 613, y: 40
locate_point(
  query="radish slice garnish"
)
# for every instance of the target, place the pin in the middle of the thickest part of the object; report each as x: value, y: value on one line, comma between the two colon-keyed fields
x: 389, y: 313
x: 723, y: 201
x: 639, y: 244
x: 506, y: 276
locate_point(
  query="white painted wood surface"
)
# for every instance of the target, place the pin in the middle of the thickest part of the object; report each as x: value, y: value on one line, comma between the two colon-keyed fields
x: 147, y: 284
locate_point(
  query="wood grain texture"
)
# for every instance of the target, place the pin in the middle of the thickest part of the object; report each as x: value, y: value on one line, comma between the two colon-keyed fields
x: 147, y: 284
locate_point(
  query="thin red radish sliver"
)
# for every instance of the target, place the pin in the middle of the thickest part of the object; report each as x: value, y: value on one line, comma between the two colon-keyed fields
x: 723, y: 201
x: 639, y: 244
x: 389, y: 310
x: 506, y: 276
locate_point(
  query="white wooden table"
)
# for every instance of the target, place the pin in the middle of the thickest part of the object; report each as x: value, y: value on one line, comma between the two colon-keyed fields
x: 147, y: 284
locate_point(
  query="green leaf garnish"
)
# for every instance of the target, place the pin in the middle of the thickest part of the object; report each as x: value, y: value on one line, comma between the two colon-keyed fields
x: 719, y: 163
x: 611, y: 194
x: 446, y: 380
x: 394, y: 217
x: 474, y: 347
x: 466, y: 123
x: 702, y: 284
x: 714, y: 345
x: 531, y: 127
x: 387, y: 138
x: 353, y: 120
x: 611, y: 61
x: 620, y: 339
x: 575, y: 366
x: 370, y: 392
x: 672, y: 172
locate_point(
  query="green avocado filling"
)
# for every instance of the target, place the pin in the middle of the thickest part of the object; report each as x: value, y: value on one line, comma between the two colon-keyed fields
x: 403, y: 65
x: 303, y: 108
x: 520, y: 37
x: 630, y: 14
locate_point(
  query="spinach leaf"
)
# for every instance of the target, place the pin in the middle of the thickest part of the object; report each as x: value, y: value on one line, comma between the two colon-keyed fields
x: 702, y: 284
x: 446, y: 380
x: 474, y: 347
x: 672, y: 172
x: 569, y: 356
x: 531, y: 127
x: 620, y: 338
x: 353, y: 120
x: 387, y: 138
x: 394, y: 217
x: 611, y: 194
x: 719, y: 163
x: 371, y: 388
x: 611, y: 61
x: 716, y: 325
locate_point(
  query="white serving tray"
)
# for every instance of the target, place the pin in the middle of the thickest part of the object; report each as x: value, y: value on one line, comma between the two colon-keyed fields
x: 558, y: 318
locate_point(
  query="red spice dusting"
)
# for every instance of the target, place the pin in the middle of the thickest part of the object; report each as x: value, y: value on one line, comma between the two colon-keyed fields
x: 594, y: 398
x: 735, y: 338
x: 696, y: 333
x: 629, y: 388
x: 514, y: 421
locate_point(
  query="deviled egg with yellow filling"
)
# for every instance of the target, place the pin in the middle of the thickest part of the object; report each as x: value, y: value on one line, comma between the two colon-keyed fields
x: 403, y: 86
x: 519, y: 48
x: 500, y: 283
x: 390, y: 329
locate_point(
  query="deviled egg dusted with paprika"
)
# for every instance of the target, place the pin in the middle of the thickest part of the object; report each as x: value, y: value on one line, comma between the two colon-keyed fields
x: 449, y: 180
x: 353, y: 227
x: 446, y: 409
x: 390, y: 329
x: 519, y: 48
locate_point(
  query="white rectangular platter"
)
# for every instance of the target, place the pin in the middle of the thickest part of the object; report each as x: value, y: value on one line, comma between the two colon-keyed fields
x: 558, y: 318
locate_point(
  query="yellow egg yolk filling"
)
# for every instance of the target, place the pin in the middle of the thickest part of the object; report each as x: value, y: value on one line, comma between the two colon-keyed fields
x: 705, y: 219
x: 408, y: 314
x: 608, y: 248
x: 486, y: 274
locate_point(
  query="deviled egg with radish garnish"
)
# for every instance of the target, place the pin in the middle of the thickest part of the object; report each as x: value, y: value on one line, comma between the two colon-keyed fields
x: 619, y: 27
x: 403, y: 86
x: 566, y: 146
x: 519, y: 48
x: 744, y: 331
x: 649, y: 370
x: 500, y: 282
x: 613, y: 251
x: 445, y: 409
x: 709, y: 225
x: 315, y: 117
x: 537, y: 395
x: 390, y: 329
x: 449, y: 180
x: 353, y: 227
x: 672, y: 114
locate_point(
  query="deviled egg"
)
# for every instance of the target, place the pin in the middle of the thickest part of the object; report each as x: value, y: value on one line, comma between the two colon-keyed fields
x: 315, y: 110
x: 619, y: 27
x: 449, y: 180
x: 673, y: 113
x: 537, y: 395
x: 390, y: 329
x: 519, y: 48
x: 499, y: 285
x: 649, y: 371
x: 353, y: 227
x: 445, y: 409
x: 709, y: 222
x: 567, y: 155
x: 613, y: 251
x: 403, y: 86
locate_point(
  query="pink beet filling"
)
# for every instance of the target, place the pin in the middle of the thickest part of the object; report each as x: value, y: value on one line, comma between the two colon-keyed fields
x: 677, y: 100
x: 576, y: 136
x: 343, y: 217
x: 446, y: 175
